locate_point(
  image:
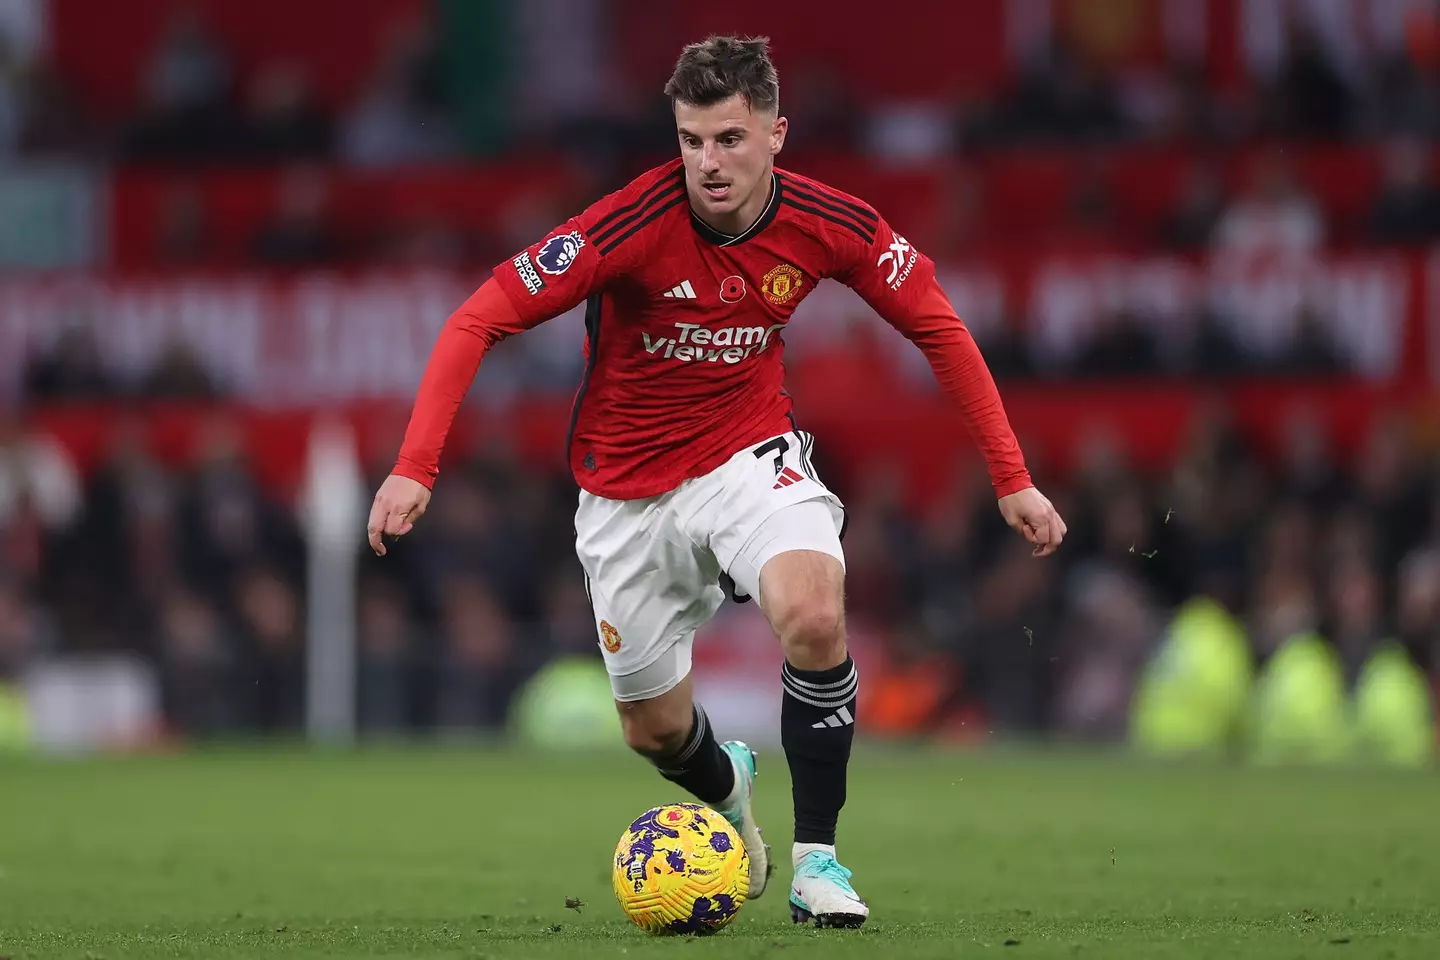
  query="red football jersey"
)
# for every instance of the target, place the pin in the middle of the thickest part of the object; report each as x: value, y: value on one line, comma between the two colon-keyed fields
x: 684, y: 344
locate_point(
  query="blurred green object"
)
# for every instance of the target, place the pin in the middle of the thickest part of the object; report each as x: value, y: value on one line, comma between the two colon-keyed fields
x: 1394, y: 710
x: 568, y: 705
x: 15, y: 731
x: 1301, y: 711
x: 480, y: 44
x: 1191, y: 698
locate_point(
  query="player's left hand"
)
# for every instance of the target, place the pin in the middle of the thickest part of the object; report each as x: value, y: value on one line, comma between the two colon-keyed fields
x: 1034, y: 517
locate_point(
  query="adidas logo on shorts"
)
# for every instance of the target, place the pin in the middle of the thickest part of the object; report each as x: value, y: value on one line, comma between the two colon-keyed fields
x: 786, y: 477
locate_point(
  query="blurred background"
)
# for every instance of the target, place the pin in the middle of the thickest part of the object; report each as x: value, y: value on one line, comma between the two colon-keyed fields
x: 1198, y: 240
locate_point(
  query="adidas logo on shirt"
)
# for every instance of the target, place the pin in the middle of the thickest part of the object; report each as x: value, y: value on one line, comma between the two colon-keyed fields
x: 682, y: 291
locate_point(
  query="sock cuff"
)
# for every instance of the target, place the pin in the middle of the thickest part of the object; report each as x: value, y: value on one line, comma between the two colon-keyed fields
x: 699, y: 730
x: 799, y: 851
x: 826, y: 689
x: 820, y: 678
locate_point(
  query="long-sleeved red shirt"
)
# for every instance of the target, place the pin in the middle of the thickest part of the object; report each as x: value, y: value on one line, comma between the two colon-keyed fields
x: 684, y: 343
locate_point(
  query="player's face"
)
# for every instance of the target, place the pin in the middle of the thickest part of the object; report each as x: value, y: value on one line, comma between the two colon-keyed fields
x: 728, y: 151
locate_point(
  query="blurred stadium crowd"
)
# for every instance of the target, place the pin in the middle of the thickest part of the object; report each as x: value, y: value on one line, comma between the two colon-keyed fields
x: 198, y: 564
x: 201, y: 570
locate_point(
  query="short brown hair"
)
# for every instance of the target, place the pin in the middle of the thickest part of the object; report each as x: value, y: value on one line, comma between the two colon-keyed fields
x: 718, y: 68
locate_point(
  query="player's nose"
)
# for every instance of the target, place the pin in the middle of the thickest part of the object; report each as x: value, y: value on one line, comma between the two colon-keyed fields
x: 709, y: 159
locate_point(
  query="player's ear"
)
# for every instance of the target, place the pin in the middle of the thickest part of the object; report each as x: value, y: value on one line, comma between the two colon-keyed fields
x: 777, y: 134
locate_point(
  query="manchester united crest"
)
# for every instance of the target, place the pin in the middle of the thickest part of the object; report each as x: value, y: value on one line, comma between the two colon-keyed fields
x: 609, y: 637
x: 781, y: 284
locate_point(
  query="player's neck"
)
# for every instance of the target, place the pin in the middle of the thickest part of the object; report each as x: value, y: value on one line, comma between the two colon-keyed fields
x: 744, y: 216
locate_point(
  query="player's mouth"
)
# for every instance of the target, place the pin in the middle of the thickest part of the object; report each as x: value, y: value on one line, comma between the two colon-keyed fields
x: 716, y: 191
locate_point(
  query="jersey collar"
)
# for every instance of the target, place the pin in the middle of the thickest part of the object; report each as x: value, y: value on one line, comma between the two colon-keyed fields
x: 711, y: 235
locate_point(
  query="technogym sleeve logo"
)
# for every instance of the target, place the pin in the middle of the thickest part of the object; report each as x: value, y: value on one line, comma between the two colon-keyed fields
x: 901, y: 259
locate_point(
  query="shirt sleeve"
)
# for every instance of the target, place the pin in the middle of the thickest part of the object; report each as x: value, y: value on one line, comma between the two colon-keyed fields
x: 537, y: 284
x: 481, y: 322
x: 549, y: 277
x: 899, y: 283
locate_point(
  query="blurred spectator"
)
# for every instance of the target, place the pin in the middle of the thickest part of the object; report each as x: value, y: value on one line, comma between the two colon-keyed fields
x: 1390, y: 490
x: 182, y: 235
x: 283, y: 121
x: 1065, y: 96
x: 22, y: 633
x: 485, y: 660
x: 187, y: 87
x: 1198, y: 208
x: 1006, y: 648
x: 1274, y: 216
x: 178, y: 374
x: 129, y: 531
x: 1406, y: 96
x: 1407, y: 208
x: 1121, y: 345
x: 389, y: 650
x: 12, y: 97
x: 298, y: 234
x: 400, y: 117
x: 1307, y: 474
x: 1353, y: 620
x: 1112, y: 625
x: 228, y: 521
x: 477, y: 534
x: 423, y: 240
x: 72, y: 369
x: 56, y: 122
x: 271, y: 636
x: 197, y: 667
x: 1313, y: 351
x: 1418, y: 606
x: 1311, y: 98
x: 37, y: 471
x: 821, y: 108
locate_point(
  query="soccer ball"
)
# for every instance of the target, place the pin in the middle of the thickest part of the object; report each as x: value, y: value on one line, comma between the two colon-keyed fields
x: 681, y: 868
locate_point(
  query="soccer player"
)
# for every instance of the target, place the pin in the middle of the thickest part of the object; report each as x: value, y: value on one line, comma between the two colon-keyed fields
x: 694, y: 477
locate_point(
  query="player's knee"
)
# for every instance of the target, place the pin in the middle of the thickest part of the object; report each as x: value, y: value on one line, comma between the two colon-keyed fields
x: 812, y: 631
x: 654, y: 732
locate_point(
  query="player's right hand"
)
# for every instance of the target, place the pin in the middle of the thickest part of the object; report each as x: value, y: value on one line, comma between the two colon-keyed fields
x: 399, y: 502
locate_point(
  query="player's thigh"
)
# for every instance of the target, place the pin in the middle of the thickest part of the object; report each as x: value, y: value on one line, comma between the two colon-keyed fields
x: 794, y: 559
x: 650, y: 590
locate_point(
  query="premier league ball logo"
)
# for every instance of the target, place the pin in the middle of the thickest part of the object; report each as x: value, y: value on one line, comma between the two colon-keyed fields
x: 559, y: 252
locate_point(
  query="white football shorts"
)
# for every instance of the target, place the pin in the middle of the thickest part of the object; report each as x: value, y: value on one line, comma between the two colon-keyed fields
x: 653, y: 565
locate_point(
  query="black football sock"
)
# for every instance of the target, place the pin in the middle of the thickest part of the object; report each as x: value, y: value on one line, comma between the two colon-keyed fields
x: 700, y: 766
x: 817, y: 726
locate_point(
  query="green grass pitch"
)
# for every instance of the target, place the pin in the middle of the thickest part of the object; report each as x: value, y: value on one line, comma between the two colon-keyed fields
x: 471, y: 852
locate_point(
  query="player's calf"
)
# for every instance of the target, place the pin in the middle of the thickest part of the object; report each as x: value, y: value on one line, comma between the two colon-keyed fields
x: 658, y: 727
x: 803, y: 596
x: 673, y: 733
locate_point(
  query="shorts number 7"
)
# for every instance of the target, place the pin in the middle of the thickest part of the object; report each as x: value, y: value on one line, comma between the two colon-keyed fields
x: 779, y: 446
